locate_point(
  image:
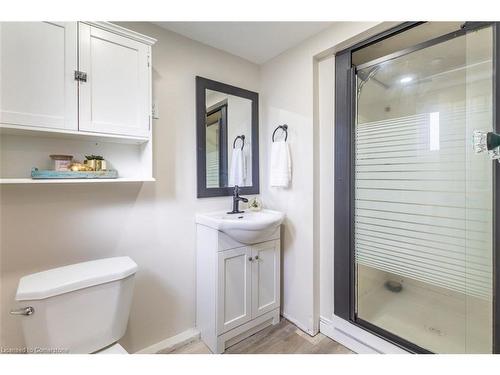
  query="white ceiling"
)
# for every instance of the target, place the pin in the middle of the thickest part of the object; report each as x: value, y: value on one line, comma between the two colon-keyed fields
x: 257, y: 42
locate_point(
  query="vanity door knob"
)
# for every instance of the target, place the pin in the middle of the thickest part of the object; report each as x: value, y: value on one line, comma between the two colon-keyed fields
x: 256, y: 257
x: 250, y: 259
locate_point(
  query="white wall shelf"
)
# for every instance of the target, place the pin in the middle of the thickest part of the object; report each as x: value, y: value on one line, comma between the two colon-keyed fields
x: 20, y: 153
x: 13, y: 181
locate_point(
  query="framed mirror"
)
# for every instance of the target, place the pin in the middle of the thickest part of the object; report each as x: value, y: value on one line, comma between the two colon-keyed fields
x: 227, y: 131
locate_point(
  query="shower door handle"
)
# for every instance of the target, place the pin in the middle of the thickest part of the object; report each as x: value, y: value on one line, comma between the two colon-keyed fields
x: 486, y: 141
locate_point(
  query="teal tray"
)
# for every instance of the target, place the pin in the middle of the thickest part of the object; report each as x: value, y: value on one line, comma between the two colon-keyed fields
x: 37, y: 174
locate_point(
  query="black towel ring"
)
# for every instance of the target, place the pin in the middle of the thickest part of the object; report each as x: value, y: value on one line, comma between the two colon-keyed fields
x: 284, y: 127
x: 242, y: 137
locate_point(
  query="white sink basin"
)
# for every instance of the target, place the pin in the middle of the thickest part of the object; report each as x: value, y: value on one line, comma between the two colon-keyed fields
x: 248, y: 228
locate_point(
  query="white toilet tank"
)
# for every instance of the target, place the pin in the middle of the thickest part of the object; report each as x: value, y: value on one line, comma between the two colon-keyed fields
x: 80, y: 308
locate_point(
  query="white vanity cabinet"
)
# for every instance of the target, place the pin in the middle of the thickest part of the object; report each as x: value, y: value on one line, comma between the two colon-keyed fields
x: 238, y: 287
x: 265, y: 277
x: 91, y: 77
x: 234, y: 288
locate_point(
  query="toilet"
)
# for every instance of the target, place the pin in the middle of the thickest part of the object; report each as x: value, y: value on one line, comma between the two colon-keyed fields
x: 79, y: 308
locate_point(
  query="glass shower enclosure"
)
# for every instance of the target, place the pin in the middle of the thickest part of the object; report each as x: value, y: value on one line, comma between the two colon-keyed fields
x: 421, y: 209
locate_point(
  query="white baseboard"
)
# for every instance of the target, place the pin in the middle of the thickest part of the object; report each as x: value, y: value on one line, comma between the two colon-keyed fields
x: 297, y: 323
x: 356, y: 339
x: 345, y: 333
x: 173, y: 342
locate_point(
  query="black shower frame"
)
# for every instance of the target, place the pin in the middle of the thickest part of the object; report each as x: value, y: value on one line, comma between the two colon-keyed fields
x: 344, y: 264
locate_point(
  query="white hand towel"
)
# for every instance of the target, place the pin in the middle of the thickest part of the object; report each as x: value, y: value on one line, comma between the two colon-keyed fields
x: 237, y: 169
x: 281, y: 164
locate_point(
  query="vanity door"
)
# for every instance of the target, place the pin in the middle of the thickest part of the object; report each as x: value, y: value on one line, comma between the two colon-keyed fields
x: 265, y: 277
x: 234, y: 305
x: 37, y: 65
x: 115, y: 94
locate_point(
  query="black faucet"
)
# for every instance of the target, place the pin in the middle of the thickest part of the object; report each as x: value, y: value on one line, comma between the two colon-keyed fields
x: 236, y: 201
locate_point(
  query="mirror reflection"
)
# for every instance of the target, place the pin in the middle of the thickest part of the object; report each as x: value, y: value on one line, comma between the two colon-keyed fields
x: 228, y: 140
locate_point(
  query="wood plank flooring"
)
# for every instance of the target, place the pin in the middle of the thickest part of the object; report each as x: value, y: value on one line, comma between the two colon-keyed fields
x: 283, y: 338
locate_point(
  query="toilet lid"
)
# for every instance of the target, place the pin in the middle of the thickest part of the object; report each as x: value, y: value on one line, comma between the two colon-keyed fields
x: 66, y: 279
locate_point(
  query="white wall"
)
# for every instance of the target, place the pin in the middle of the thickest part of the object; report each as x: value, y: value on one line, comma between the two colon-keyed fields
x: 45, y: 226
x: 289, y: 94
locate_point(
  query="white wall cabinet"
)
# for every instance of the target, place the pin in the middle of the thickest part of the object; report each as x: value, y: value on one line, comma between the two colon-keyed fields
x: 238, y: 287
x: 116, y: 95
x: 76, y: 88
x: 37, y: 64
x: 39, y: 88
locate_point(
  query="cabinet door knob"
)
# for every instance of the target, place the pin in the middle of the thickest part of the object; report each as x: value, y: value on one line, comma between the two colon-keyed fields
x: 256, y: 257
x: 250, y: 259
x: 80, y: 76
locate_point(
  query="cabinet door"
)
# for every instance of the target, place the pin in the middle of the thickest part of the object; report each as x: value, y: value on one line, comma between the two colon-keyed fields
x: 37, y: 64
x: 234, y: 284
x: 265, y: 277
x: 116, y: 95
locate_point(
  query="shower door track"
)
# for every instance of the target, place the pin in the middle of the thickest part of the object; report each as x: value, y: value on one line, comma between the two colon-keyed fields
x: 345, y: 104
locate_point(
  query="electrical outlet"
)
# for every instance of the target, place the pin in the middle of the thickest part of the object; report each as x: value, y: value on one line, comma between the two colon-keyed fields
x: 156, y: 110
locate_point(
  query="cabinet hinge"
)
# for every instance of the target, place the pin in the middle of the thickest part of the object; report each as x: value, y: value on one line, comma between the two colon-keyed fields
x: 148, y: 61
x: 80, y: 76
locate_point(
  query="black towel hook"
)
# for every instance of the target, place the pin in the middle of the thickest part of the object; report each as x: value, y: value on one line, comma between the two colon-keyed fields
x: 242, y: 137
x: 284, y: 127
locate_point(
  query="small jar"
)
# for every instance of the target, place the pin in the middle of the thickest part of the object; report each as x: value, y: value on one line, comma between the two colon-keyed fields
x: 62, y: 162
x: 92, y: 163
x: 104, y: 167
x: 100, y: 165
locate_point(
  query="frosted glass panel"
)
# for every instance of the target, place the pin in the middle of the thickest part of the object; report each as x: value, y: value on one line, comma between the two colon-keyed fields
x: 423, y: 199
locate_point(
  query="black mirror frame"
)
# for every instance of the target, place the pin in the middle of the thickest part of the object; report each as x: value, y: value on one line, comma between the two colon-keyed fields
x: 202, y: 84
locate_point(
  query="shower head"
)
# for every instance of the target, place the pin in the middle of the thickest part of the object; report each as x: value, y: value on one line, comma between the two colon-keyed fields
x: 364, y: 76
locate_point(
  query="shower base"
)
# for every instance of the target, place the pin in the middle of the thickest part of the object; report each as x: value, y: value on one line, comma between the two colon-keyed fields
x: 431, y: 317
